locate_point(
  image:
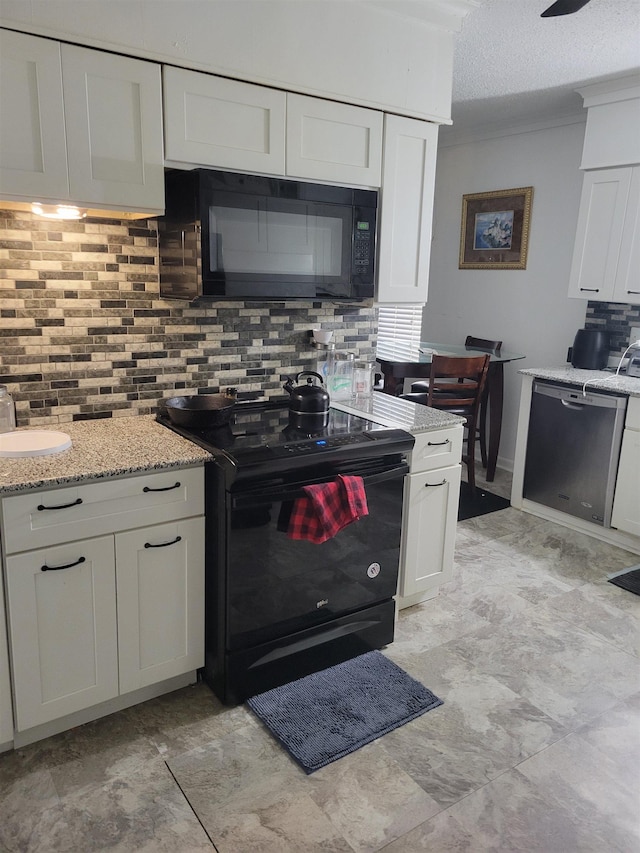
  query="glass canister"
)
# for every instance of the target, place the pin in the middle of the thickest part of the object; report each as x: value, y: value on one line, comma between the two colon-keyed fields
x: 340, y: 375
x: 7, y: 410
x: 363, y: 379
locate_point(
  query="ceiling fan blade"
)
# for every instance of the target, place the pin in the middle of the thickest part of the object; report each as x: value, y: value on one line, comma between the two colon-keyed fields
x: 563, y: 7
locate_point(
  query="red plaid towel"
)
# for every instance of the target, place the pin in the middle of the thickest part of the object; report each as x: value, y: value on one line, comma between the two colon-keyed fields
x: 326, y: 508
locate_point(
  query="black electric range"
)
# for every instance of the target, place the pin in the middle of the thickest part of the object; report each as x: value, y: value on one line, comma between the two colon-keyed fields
x: 259, y: 438
x: 278, y: 608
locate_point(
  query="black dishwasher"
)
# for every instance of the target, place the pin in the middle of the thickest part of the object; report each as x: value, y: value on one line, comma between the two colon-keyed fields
x: 573, y: 448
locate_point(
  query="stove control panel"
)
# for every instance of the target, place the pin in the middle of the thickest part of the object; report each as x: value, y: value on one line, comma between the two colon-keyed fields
x: 317, y: 445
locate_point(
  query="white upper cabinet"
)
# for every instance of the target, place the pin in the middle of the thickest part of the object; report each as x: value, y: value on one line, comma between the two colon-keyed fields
x: 113, y: 116
x: 328, y: 141
x: 408, y: 178
x: 33, y: 153
x: 211, y: 121
x: 79, y: 126
x: 606, y: 258
x: 228, y: 124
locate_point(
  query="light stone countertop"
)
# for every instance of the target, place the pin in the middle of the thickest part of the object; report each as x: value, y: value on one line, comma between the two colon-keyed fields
x: 103, y: 448
x: 598, y: 379
x: 394, y: 412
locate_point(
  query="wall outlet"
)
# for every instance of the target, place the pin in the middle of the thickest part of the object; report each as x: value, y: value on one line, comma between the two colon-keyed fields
x: 635, y: 334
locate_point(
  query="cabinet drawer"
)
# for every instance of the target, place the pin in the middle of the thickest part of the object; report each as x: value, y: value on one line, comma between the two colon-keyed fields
x: 38, y: 519
x: 437, y: 449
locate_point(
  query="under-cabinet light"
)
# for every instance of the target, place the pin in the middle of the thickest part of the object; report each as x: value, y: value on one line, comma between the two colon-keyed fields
x: 58, y: 211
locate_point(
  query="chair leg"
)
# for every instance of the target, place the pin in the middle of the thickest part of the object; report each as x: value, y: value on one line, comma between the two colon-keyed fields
x: 482, y: 431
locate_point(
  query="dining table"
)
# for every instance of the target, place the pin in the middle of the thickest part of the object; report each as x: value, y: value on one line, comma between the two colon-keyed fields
x: 412, y: 360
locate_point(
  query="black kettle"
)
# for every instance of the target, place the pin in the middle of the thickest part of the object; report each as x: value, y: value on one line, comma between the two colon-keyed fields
x: 308, y: 403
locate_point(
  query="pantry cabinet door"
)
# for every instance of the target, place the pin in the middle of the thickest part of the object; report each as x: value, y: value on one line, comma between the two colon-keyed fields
x: 328, y: 141
x: 33, y: 154
x: 160, y: 572
x: 62, y: 606
x: 408, y: 181
x: 113, y: 115
x: 226, y: 124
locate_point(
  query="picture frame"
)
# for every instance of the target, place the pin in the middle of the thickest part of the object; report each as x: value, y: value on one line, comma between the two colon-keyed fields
x: 494, y: 233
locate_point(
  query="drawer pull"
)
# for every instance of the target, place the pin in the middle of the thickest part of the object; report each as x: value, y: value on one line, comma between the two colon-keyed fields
x: 46, y: 568
x: 436, y: 484
x: 635, y: 292
x: 163, y: 489
x: 590, y: 289
x: 62, y: 506
x: 163, y: 544
x: 438, y: 443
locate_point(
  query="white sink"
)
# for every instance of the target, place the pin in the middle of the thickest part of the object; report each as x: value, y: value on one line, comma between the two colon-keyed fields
x: 33, y: 442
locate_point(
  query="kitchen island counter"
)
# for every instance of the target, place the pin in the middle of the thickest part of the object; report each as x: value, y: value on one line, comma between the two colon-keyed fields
x: 602, y: 380
x: 110, y: 447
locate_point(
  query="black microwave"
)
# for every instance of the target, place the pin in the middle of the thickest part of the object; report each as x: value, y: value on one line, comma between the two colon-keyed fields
x: 233, y: 236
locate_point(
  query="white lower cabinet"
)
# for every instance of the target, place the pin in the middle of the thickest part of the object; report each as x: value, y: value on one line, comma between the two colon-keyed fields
x: 160, y: 584
x: 62, y: 606
x: 626, y: 503
x: 6, y: 709
x: 430, y: 514
x: 93, y: 619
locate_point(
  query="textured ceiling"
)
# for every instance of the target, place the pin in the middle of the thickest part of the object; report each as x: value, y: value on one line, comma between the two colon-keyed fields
x: 511, y: 66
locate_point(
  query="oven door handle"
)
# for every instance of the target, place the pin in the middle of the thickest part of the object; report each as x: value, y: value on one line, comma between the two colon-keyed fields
x: 273, y: 495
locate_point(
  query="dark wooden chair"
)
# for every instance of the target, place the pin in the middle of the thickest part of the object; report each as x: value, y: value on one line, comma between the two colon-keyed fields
x: 483, y: 345
x: 457, y: 384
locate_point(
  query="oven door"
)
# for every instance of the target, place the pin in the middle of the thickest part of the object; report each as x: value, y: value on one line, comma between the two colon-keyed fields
x: 277, y: 586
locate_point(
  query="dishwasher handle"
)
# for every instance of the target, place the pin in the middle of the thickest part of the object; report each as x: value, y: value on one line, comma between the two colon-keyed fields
x: 568, y: 404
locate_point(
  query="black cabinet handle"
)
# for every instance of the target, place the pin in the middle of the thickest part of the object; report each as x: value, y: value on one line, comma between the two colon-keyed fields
x: 46, y: 568
x: 62, y: 506
x: 164, y: 489
x: 436, y: 484
x: 635, y: 292
x: 591, y: 289
x: 438, y: 443
x: 163, y: 544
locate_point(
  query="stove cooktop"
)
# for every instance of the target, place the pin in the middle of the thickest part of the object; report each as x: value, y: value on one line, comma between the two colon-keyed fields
x: 260, y: 430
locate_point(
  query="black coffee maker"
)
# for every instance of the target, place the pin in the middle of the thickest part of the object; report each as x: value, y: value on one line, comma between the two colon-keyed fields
x: 590, y: 349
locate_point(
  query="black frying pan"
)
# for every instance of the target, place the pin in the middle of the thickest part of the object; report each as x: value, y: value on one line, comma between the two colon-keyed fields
x: 200, y: 411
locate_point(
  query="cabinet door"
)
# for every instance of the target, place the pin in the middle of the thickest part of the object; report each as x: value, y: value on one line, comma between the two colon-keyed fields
x: 428, y: 531
x: 626, y: 503
x: 33, y: 154
x: 599, y: 233
x: 328, y: 141
x: 627, y: 285
x: 113, y: 117
x: 408, y: 176
x: 62, y: 606
x: 160, y: 574
x: 210, y: 121
x: 6, y: 711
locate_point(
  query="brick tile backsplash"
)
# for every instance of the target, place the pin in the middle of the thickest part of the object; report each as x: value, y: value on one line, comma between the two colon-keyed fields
x: 616, y: 318
x: 84, y: 333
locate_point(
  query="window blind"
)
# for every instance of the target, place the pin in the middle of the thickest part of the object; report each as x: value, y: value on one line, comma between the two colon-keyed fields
x: 400, y: 323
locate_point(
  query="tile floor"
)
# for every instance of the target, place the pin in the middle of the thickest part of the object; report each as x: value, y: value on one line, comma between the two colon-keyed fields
x: 537, y: 747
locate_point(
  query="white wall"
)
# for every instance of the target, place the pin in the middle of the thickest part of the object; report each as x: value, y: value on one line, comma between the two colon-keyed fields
x: 527, y: 309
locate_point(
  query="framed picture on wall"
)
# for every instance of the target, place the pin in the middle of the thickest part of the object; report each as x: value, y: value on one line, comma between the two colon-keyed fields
x: 495, y: 229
